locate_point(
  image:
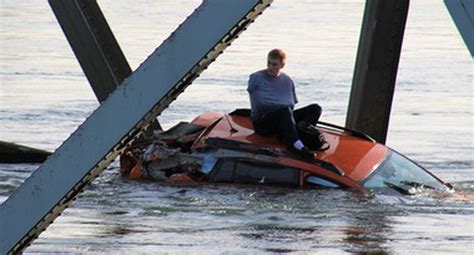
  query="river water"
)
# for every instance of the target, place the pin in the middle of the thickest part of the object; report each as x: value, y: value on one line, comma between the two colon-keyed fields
x: 44, y: 96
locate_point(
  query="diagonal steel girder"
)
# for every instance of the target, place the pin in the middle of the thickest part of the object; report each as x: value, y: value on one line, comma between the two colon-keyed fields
x: 462, y: 12
x: 188, y: 51
x: 94, y: 46
x: 93, y: 43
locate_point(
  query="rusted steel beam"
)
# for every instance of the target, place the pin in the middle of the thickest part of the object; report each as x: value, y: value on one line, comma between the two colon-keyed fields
x: 376, y: 67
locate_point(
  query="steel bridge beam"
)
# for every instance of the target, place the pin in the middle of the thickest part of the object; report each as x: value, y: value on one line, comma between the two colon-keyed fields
x: 376, y: 67
x: 462, y: 12
x: 95, y: 46
x: 120, y: 118
x: 93, y: 43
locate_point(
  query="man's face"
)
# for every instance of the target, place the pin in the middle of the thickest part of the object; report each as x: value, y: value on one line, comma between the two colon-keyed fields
x: 274, y: 65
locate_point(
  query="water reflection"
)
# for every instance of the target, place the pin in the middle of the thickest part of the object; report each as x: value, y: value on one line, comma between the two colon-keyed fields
x: 369, y: 232
x: 147, y: 217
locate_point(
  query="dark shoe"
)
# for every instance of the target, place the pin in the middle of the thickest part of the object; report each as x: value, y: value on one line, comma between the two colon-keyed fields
x: 311, y: 137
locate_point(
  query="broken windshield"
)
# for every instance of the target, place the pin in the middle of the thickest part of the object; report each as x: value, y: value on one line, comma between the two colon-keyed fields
x: 399, y: 173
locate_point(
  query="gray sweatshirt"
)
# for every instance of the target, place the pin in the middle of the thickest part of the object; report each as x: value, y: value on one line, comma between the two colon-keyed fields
x: 269, y: 93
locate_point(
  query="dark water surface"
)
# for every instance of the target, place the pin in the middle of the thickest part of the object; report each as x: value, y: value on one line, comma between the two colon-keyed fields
x: 44, y: 96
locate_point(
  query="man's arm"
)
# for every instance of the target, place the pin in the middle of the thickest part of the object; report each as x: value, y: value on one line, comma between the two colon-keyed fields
x: 294, y: 92
x: 252, y: 84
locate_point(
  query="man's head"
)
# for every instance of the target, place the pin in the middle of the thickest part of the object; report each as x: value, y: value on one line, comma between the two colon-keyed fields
x: 276, y: 60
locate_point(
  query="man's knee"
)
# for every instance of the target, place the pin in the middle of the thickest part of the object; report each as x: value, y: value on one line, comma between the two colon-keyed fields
x: 309, y: 114
x: 315, y: 108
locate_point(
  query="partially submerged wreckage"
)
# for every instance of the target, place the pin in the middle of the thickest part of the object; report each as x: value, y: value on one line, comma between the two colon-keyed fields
x: 219, y: 147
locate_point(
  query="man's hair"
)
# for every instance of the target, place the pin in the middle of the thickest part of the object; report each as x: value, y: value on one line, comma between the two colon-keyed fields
x: 277, y: 54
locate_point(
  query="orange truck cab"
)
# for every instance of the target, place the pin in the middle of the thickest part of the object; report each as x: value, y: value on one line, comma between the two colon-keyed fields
x: 219, y: 147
